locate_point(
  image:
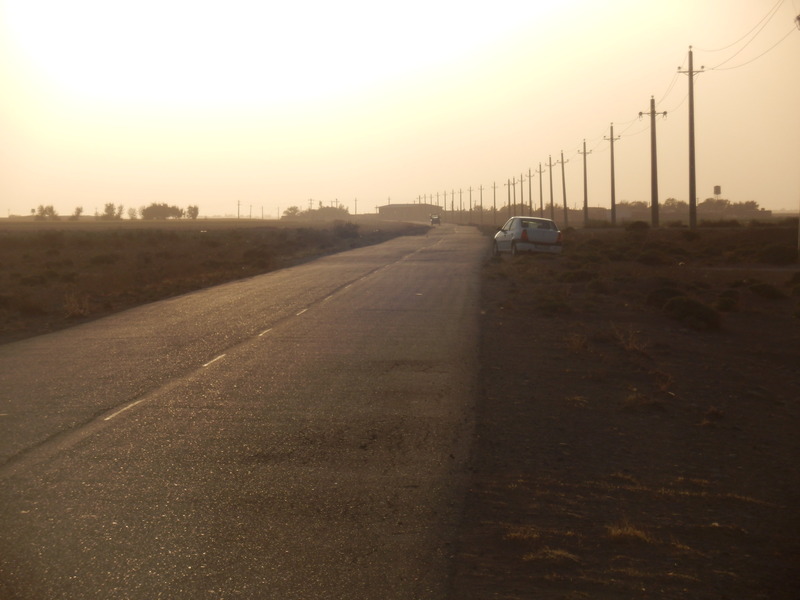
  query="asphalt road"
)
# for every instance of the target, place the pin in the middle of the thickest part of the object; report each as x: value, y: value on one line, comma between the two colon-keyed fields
x: 301, y: 434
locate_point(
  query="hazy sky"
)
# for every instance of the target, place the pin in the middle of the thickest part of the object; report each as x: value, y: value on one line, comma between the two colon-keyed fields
x: 272, y: 103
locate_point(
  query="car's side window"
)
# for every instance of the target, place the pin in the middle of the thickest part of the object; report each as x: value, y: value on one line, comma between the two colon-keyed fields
x: 508, y: 224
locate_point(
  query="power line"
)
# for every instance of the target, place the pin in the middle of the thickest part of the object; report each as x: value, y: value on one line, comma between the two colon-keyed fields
x: 679, y: 104
x: 635, y: 133
x: 751, y: 39
x: 760, y: 55
x: 629, y: 125
x: 768, y: 16
x: 672, y: 83
x: 669, y: 88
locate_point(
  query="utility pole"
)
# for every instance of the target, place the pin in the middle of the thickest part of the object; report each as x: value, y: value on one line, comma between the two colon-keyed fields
x: 692, y: 173
x: 481, y: 198
x: 653, y: 161
x: 508, y: 204
x: 469, y: 220
x: 494, y: 203
x: 514, y: 186
x: 585, y: 187
x: 562, y: 162
x: 541, y: 197
x: 613, y: 188
x: 552, y: 207
x: 530, y: 196
x: 521, y: 194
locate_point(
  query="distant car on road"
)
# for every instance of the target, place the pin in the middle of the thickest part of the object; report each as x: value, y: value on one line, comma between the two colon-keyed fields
x: 435, y: 220
x: 527, y: 234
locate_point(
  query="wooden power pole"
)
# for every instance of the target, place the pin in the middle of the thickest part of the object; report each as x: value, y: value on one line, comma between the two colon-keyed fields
x: 530, y: 197
x: 541, y: 196
x: 653, y: 161
x: 613, y: 184
x: 562, y: 162
x: 585, y: 187
x: 550, y: 168
x: 692, y: 174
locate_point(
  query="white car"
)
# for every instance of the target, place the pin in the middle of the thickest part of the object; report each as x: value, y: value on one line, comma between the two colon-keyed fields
x: 527, y: 234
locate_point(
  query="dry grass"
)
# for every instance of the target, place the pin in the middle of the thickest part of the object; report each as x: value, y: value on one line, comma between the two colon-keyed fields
x: 624, y: 531
x: 522, y: 532
x: 629, y: 339
x: 551, y: 555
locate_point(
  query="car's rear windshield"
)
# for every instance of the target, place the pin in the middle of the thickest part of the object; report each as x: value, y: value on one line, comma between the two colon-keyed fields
x: 536, y: 224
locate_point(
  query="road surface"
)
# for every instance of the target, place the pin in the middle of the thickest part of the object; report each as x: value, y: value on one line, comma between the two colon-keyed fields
x: 301, y: 434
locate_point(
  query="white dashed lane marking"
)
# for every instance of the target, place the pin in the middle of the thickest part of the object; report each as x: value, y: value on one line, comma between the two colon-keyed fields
x: 214, y: 360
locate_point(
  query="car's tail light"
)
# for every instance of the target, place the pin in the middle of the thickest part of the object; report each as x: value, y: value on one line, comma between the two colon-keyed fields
x: 558, y: 239
x: 524, y: 235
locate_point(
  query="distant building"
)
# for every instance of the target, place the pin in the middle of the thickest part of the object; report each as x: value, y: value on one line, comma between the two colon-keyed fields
x: 409, y: 212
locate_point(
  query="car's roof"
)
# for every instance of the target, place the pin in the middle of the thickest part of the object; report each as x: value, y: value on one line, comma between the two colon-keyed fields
x: 534, y: 219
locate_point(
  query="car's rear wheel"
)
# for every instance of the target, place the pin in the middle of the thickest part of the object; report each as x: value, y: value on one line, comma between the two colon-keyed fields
x: 495, y: 250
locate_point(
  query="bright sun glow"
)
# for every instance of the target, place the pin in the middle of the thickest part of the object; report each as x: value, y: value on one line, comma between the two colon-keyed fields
x: 238, y: 52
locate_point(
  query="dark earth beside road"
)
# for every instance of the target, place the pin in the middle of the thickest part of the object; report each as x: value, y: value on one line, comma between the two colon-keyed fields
x: 633, y: 446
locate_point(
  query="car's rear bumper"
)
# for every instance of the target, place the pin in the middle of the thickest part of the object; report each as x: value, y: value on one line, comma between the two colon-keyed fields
x: 533, y: 247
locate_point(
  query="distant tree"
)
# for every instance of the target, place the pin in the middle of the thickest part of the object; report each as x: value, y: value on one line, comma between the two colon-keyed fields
x: 292, y: 211
x: 161, y: 211
x: 634, y: 203
x: 120, y: 209
x: 192, y: 212
x: 46, y: 212
x: 714, y: 204
x: 329, y: 212
x: 76, y: 214
x: 109, y: 212
x: 132, y: 214
x: 673, y: 204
